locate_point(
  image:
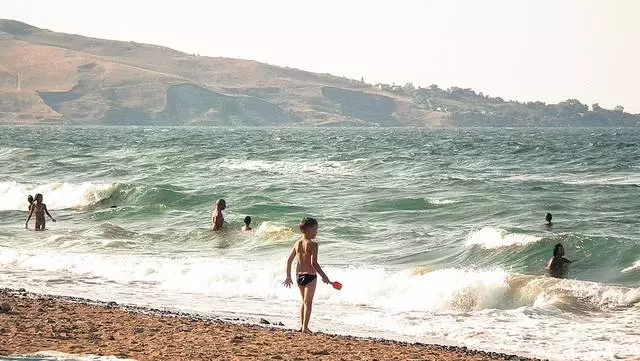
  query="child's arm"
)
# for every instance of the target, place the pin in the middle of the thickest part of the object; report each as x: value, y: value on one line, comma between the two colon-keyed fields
x: 47, y: 212
x: 288, y: 282
x: 26, y: 225
x: 314, y: 263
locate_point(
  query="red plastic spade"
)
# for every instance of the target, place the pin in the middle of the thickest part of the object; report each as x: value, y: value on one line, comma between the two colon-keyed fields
x: 337, y: 285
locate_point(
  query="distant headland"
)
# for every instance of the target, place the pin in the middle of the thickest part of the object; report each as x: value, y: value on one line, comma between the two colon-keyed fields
x: 55, y: 78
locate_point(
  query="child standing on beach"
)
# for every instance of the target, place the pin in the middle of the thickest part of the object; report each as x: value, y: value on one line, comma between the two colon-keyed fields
x: 39, y: 209
x: 305, y: 251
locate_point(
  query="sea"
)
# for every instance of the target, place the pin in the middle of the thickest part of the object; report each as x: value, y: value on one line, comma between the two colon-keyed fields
x: 436, y: 235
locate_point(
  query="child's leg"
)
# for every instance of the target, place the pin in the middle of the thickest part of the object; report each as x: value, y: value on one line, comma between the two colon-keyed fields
x: 309, y: 292
x: 301, y: 307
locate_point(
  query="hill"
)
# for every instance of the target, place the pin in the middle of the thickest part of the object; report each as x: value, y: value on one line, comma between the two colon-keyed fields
x: 56, y: 78
x: 49, y: 77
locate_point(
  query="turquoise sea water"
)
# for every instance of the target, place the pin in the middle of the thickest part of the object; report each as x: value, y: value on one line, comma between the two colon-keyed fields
x: 436, y: 235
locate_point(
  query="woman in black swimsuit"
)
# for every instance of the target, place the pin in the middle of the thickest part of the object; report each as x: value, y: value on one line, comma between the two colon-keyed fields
x: 305, y: 250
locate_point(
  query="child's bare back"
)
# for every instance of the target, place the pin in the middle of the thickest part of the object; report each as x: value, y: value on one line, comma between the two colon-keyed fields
x: 304, y: 250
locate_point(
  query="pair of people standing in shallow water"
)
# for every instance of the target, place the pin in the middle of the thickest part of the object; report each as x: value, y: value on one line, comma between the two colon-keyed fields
x: 304, y: 251
x: 558, y: 264
x: 39, y: 209
x: 217, y: 217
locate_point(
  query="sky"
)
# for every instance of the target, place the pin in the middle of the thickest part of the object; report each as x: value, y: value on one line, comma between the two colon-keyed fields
x: 548, y: 50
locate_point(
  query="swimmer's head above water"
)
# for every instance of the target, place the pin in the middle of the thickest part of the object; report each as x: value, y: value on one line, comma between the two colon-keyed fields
x: 558, y: 250
x: 247, y: 220
x: 221, y: 204
x: 548, y: 217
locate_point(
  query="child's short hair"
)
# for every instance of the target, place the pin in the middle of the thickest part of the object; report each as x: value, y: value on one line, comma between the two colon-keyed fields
x: 38, y: 195
x: 307, y: 222
x: 30, y: 198
x: 221, y: 202
x: 247, y: 220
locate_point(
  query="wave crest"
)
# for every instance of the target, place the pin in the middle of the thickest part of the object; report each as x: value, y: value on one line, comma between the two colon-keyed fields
x: 87, y: 194
x: 421, y: 290
x: 56, y: 195
x: 492, y: 238
x: 634, y: 267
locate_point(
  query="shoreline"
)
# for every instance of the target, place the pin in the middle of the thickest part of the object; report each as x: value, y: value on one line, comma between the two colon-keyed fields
x: 76, y: 325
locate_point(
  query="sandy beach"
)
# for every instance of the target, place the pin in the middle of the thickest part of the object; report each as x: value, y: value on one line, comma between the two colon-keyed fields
x: 78, y: 326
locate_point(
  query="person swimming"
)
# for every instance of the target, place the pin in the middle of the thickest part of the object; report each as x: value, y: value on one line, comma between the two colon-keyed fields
x: 217, y: 218
x: 247, y: 224
x: 39, y: 209
x: 558, y: 264
x: 305, y: 250
x: 548, y: 217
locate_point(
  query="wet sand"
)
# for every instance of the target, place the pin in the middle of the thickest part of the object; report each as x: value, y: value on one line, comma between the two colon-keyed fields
x: 79, y: 326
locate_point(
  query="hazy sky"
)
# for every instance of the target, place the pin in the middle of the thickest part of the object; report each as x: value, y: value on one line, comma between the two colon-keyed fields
x: 547, y: 50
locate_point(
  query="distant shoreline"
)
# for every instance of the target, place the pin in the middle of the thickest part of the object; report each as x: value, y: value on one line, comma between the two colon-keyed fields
x: 303, y: 126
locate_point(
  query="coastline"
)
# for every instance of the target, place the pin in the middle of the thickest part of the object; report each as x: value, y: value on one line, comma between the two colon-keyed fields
x: 81, y: 326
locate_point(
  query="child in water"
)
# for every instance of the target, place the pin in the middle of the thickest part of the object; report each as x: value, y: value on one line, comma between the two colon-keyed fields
x: 247, y: 224
x: 217, y: 218
x: 39, y: 209
x: 30, y: 200
x: 305, y: 251
x: 557, y: 266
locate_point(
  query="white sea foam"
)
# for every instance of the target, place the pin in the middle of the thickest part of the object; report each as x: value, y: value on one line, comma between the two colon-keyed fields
x: 442, y: 202
x: 13, y: 195
x: 271, y: 232
x: 491, y: 238
x: 574, y: 295
x: 629, y: 179
x: 573, y: 179
x: 449, y: 290
x: 634, y: 267
x: 473, y: 307
x: 6, y: 152
x: 293, y: 168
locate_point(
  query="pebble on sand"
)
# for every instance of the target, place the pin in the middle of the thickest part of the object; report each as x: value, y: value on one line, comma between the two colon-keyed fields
x: 5, y: 307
